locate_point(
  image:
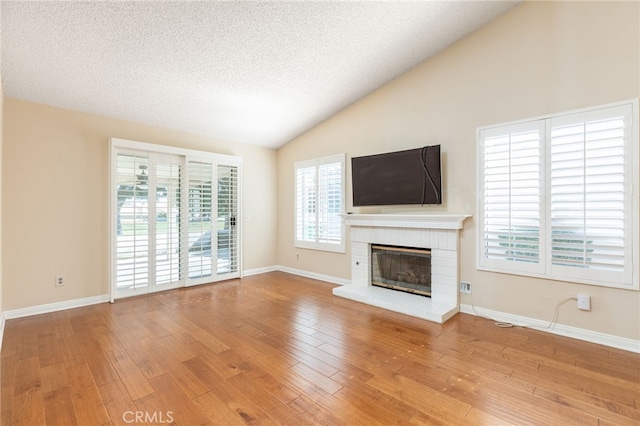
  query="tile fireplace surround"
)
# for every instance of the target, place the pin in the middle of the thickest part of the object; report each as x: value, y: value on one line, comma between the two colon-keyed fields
x: 438, y: 232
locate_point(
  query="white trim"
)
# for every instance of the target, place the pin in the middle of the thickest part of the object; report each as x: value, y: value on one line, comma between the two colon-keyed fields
x: 569, y: 112
x: 166, y: 149
x: 2, y: 321
x: 559, y: 329
x: 315, y: 276
x: 54, y: 307
x: 258, y: 271
x: 431, y: 221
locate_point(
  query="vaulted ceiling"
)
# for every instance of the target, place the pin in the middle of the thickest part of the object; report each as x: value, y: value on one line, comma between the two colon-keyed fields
x: 259, y: 73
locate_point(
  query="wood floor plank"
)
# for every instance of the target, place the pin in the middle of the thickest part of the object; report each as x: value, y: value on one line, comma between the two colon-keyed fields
x: 272, y: 385
x: 54, y: 377
x: 273, y: 407
x: 87, y: 402
x: 27, y: 344
x: 29, y: 377
x: 188, y: 382
x: 618, y: 414
x: 8, y: 373
x: 152, y: 410
x: 368, y: 399
x: 139, y: 353
x: 226, y: 364
x: 180, y: 404
x: 71, y: 350
x: 58, y: 407
x: 479, y: 417
x: 280, y: 349
x: 313, y: 411
x: 217, y: 411
x: 247, y: 409
x: 133, y: 380
x: 101, y: 368
x: 571, y: 383
x: 117, y: 402
x: 49, y: 352
x: 313, y: 376
x: 431, y: 403
x: 27, y: 409
x: 523, y: 408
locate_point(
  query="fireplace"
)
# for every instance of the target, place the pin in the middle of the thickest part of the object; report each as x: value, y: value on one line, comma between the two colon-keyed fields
x: 433, y: 233
x: 405, y: 269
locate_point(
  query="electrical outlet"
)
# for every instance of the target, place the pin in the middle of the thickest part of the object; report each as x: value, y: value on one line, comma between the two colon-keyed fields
x: 59, y: 280
x: 584, y: 302
x: 465, y: 287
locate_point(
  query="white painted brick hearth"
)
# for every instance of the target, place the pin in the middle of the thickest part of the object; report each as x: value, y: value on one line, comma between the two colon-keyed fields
x: 436, y: 232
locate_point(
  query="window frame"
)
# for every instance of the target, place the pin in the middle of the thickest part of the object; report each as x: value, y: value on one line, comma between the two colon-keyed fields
x: 339, y: 247
x: 629, y: 277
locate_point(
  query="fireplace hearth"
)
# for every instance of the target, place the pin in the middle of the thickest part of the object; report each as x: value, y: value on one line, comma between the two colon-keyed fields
x: 405, y: 269
x: 434, y: 232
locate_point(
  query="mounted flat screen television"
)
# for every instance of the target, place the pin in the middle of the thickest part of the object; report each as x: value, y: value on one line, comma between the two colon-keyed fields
x: 396, y: 178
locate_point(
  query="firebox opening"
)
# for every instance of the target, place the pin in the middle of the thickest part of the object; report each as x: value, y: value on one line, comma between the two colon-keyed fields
x: 405, y: 269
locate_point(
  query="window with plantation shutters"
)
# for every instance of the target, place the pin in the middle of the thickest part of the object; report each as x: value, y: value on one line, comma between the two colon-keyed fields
x: 556, y: 199
x: 588, y: 195
x: 319, y: 201
x: 512, y: 191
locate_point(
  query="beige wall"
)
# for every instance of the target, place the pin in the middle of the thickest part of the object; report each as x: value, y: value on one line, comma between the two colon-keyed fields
x: 55, y: 199
x: 1, y: 221
x: 539, y: 58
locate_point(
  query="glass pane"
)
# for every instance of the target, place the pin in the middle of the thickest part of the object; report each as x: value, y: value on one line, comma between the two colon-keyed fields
x: 168, y: 223
x: 132, y: 222
x: 227, y: 219
x: 512, y: 196
x: 200, y: 220
x: 587, y: 194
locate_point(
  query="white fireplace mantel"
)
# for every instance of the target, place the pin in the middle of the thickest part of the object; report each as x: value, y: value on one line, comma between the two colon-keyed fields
x: 437, y: 232
x: 422, y: 221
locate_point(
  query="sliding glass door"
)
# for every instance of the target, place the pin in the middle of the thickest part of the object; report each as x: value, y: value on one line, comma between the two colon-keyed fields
x: 174, y: 223
x: 213, y: 210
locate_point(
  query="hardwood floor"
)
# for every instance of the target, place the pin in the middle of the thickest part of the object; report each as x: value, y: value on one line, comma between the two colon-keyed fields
x: 280, y: 349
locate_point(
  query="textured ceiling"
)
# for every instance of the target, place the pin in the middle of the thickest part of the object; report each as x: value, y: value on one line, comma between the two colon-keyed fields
x: 260, y: 73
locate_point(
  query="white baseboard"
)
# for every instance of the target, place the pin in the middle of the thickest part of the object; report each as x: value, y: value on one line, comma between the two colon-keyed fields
x: 559, y: 329
x: 54, y: 307
x: 315, y: 276
x: 1, y: 328
x: 257, y: 271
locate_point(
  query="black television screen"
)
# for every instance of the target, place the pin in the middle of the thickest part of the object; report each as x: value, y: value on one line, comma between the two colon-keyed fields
x: 395, y: 178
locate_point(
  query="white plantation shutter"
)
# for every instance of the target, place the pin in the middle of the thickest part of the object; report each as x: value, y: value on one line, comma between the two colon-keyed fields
x: 588, y: 194
x: 319, y: 186
x: 306, y: 217
x: 511, y: 196
x: 132, y: 227
x: 556, y: 197
x: 227, y: 219
x: 167, y: 189
x: 201, y: 223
